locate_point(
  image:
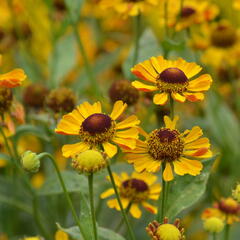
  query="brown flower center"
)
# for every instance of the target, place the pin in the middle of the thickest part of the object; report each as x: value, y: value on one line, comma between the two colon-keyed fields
x: 223, y: 36
x: 134, y: 189
x: 173, y: 75
x: 229, y: 206
x: 97, y: 123
x: 187, y: 12
x: 6, y: 98
x: 165, y: 145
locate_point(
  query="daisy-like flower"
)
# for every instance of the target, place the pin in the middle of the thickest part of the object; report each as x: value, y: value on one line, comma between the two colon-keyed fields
x: 134, y: 190
x: 97, y: 129
x: 165, y: 231
x: 227, y: 209
x: 13, y: 78
x: 173, y: 78
x: 168, y: 147
x: 128, y: 7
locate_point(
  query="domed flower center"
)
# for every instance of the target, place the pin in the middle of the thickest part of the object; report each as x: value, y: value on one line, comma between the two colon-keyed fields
x: 223, y: 36
x: 168, y: 232
x: 229, y: 206
x: 165, y: 145
x: 134, y: 189
x: 173, y: 75
x: 187, y: 12
x: 97, y: 123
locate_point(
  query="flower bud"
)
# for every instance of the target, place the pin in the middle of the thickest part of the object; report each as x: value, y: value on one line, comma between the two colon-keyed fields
x: 30, y: 161
x: 213, y: 225
x: 89, y: 161
x: 236, y: 193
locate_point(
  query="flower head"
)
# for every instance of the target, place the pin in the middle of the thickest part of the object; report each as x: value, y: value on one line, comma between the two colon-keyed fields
x: 13, y: 78
x: 213, y: 224
x: 98, y: 129
x: 171, y: 78
x: 89, y: 161
x: 134, y: 190
x: 165, y: 231
x: 168, y: 147
x: 30, y: 161
x: 227, y: 209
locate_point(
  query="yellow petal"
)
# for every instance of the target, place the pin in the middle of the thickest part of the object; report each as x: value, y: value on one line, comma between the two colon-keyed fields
x: 178, y: 97
x: 194, y: 97
x: 144, y: 87
x: 117, y: 179
x: 195, y: 133
x: 199, y: 153
x: 126, y: 143
x: 70, y: 150
x: 129, y: 133
x: 131, y: 121
x: 13, y: 78
x: 113, y: 203
x: 135, y: 211
x: 160, y: 98
x: 118, y: 108
x: 199, y: 143
x: 167, y: 173
x: 179, y: 168
x: 152, y: 209
x: 109, y: 149
x: 107, y: 193
x: 192, y: 167
x: 159, y: 63
x: 201, y: 83
x: 171, y: 124
x: 59, y: 235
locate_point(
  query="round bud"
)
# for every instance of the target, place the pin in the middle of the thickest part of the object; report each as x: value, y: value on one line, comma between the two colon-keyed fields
x: 213, y: 225
x: 30, y: 161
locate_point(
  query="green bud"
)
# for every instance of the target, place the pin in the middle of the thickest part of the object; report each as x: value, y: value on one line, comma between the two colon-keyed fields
x: 30, y: 161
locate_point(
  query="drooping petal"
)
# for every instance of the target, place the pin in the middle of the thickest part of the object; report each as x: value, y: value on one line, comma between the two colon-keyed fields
x: 194, y: 97
x: 178, y: 97
x: 144, y: 87
x: 135, y: 211
x: 109, y: 149
x: 149, y: 207
x: 107, y: 193
x: 199, y: 153
x: 126, y: 143
x: 160, y: 98
x: 179, y: 168
x: 69, y: 150
x: 201, y: 83
x: 199, y: 143
x: 167, y: 173
x: 192, y: 167
x: 195, y: 133
x: 113, y: 203
x: 12, y: 79
x: 129, y: 133
x: 171, y: 124
x: 131, y: 121
x: 118, y: 108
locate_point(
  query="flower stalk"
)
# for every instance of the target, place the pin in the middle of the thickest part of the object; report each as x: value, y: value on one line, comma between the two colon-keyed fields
x: 137, y: 28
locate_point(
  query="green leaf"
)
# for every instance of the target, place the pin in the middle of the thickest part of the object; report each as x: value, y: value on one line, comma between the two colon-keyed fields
x: 74, y: 183
x: 63, y: 59
x: 74, y: 7
x: 30, y: 129
x: 148, y: 47
x: 186, y: 190
x: 103, y: 233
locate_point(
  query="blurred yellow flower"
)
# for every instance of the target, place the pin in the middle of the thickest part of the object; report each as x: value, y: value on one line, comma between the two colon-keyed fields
x: 171, y: 78
x: 168, y: 147
x: 97, y: 129
x: 134, y: 190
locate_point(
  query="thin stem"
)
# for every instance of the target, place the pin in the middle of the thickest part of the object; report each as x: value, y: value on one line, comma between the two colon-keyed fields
x: 87, y: 65
x: 166, y: 17
x: 227, y: 232
x: 122, y: 220
x: 120, y: 204
x: 214, y: 236
x: 65, y: 192
x: 171, y: 107
x: 90, y: 185
x: 137, y: 27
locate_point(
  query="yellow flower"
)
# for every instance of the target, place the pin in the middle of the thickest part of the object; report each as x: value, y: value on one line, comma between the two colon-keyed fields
x: 236, y: 4
x: 98, y: 129
x: 227, y: 209
x: 165, y: 231
x: 171, y: 77
x: 168, y: 147
x: 213, y: 225
x: 60, y: 235
x: 13, y: 78
x: 128, y: 7
x: 134, y: 190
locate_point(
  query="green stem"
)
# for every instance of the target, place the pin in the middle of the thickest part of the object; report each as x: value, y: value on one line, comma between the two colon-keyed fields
x: 214, y: 236
x: 90, y: 185
x: 120, y: 204
x: 65, y: 192
x: 137, y: 27
x: 171, y: 107
x: 166, y: 17
x: 122, y: 220
x: 227, y: 232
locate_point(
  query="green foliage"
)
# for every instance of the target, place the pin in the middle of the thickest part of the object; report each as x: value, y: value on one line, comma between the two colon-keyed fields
x: 74, y: 7
x: 186, y: 190
x: 74, y: 183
